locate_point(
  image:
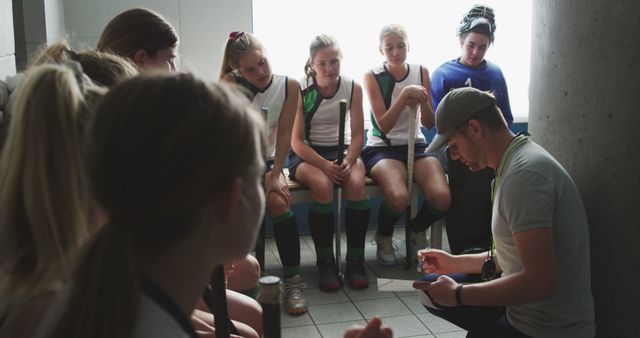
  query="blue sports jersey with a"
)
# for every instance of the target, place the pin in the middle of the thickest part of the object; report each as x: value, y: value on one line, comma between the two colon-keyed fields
x: 487, y: 77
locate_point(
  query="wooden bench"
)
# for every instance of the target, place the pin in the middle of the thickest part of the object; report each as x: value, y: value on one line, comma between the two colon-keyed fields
x: 301, y: 194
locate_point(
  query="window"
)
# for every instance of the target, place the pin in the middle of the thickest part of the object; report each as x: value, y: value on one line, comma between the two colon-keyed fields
x: 431, y: 26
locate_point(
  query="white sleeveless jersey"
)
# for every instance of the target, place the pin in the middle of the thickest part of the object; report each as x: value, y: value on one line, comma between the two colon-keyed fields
x: 390, y: 90
x: 322, y: 114
x: 272, y: 98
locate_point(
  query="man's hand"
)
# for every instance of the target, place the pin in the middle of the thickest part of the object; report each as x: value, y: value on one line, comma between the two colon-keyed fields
x: 437, y: 261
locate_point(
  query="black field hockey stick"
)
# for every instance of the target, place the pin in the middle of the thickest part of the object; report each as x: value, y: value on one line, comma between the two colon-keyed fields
x: 343, y: 114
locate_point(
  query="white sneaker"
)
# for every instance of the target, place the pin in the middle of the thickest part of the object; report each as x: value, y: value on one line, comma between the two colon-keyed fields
x: 385, y: 251
x: 294, y: 300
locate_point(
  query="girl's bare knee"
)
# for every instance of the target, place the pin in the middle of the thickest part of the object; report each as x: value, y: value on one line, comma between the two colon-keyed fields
x: 397, y: 201
x: 276, y: 204
x: 323, y: 192
x: 441, y: 200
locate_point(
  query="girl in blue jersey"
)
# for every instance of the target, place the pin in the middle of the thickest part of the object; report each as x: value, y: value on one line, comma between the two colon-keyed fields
x: 313, y: 161
x: 469, y: 220
x: 245, y: 63
x: 476, y: 33
x: 393, y: 88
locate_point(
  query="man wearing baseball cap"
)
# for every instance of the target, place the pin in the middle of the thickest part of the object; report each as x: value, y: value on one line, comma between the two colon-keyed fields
x: 539, y: 227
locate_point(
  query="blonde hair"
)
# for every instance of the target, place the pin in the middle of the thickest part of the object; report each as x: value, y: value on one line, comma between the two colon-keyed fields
x: 319, y: 42
x: 154, y: 163
x: 43, y: 190
x: 237, y: 44
x: 393, y: 29
x: 103, y: 68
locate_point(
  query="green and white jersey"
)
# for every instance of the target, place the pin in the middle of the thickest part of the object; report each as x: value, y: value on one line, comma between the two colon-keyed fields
x: 322, y: 114
x: 390, y: 90
x: 272, y: 98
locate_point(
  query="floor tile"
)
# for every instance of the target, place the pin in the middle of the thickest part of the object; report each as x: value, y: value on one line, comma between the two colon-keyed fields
x: 457, y: 334
x: 337, y: 329
x: 319, y: 297
x: 387, y: 307
x: 405, y: 326
x: 436, y: 324
x: 288, y: 320
x: 331, y: 313
x: 301, y: 331
x: 413, y: 303
x: 369, y: 293
x: 334, y: 313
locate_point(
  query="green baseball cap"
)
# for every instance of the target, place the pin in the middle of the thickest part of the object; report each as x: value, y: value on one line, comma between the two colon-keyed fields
x: 454, y: 109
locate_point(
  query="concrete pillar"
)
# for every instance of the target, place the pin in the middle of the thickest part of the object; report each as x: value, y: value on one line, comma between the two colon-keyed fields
x: 585, y: 109
x: 36, y: 22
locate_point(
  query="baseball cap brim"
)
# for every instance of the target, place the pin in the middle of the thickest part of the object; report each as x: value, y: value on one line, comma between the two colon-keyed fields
x: 439, y: 141
x: 457, y: 106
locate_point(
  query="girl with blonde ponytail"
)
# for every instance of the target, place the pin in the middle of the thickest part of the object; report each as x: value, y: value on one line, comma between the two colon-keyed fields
x: 175, y: 212
x: 44, y: 195
x: 245, y: 63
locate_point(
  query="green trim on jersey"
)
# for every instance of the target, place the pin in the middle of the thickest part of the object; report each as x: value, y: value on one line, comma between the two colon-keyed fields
x: 386, y: 83
x: 311, y: 100
x: 377, y: 132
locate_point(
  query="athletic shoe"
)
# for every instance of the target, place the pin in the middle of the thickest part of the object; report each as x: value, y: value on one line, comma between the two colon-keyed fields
x: 385, y: 251
x: 328, y: 279
x: 294, y: 300
x: 356, y: 274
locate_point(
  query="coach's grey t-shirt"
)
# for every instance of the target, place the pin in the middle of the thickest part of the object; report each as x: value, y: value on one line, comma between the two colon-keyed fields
x: 535, y: 191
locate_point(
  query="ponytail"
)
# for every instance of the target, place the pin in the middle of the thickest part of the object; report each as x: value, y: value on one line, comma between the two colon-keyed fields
x: 107, y: 276
x: 308, y: 70
x: 226, y: 63
x: 238, y: 43
x: 44, y: 191
x: 103, y: 68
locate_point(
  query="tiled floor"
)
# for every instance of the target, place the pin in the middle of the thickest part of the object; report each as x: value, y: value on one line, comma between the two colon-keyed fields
x: 331, y: 313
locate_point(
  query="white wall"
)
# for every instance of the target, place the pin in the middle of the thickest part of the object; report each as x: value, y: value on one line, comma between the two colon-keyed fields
x: 203, y: 26
x: 7, y: 47
x: 54, y: 19
x: 431, y: 27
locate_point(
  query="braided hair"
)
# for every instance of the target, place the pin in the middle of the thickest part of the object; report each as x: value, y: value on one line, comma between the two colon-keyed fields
x: 480, y: 19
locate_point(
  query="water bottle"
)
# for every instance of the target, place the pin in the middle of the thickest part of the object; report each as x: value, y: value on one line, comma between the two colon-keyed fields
x: 269, y: 298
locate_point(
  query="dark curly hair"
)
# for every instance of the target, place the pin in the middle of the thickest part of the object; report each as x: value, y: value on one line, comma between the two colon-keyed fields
x: 480, y: 19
